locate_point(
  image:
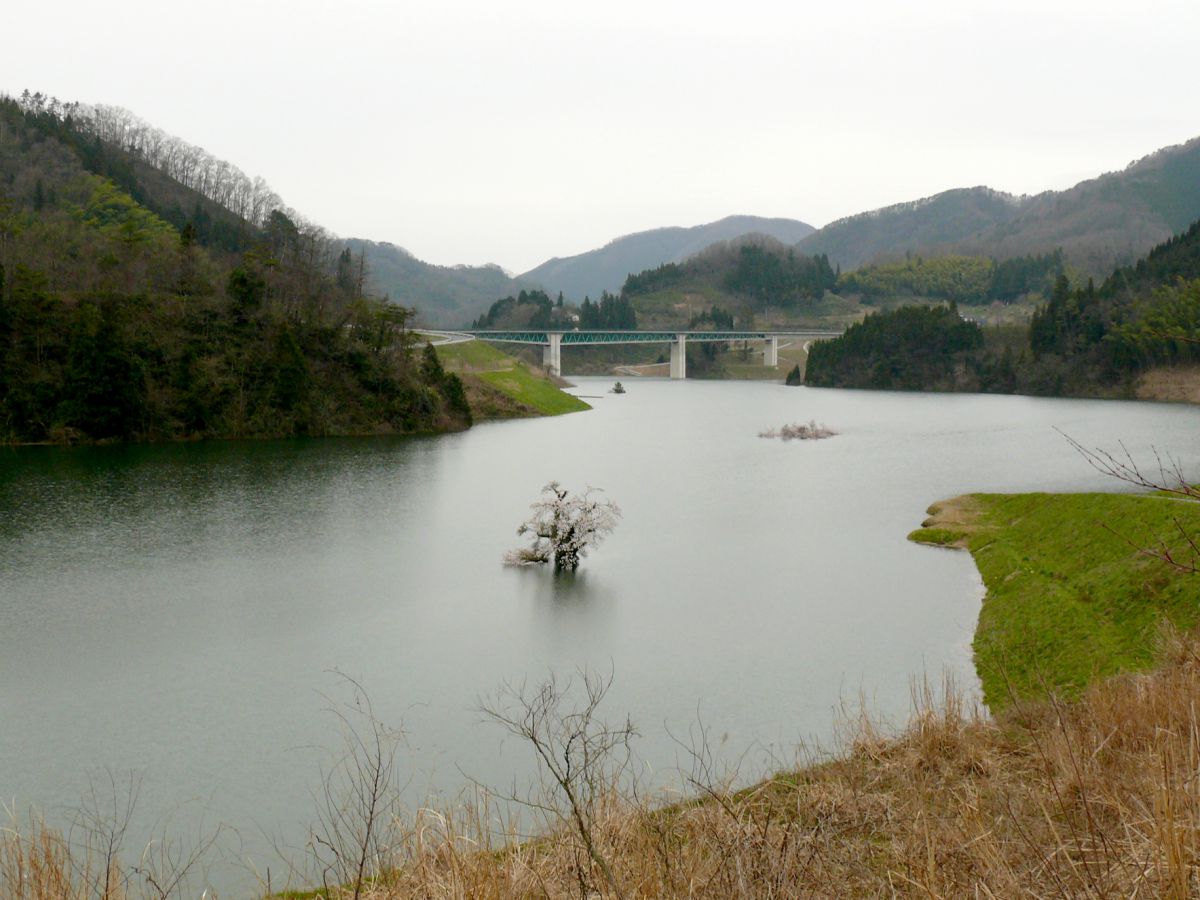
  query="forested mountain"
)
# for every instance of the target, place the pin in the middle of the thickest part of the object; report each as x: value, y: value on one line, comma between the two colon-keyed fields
x: 743, y: 277
x: 526, y: 309
x: 1093, y: 227
x: 1141, y: 317
x: 763, y: 281
x: 174, y: 315
x: 914, y: 227
x: 606, y: 269
x: 1101, y: 223
x: 534, y: 309
x: 1108, y: 221
x: 445, y: 296
x: 910, y: 348
x: 1083, y: 341
x: 185, y: 184
x: 177, y: 181
x: 1178, y: 258
x: 758, y: 270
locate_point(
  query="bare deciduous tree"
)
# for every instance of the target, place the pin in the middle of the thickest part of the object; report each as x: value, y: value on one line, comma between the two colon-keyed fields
x: 1170, y: 480
x: 194, y: 167
x: 564, y: 526
x: 581, y: 759
x: 357, y: 807
x: 97, y: 835
x: 168, y: 866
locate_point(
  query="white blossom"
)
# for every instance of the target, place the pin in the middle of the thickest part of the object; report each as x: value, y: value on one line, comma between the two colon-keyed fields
x: 564, y: 527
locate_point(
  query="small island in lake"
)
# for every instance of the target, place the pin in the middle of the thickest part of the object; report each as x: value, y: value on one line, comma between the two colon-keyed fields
x: 801, y: 432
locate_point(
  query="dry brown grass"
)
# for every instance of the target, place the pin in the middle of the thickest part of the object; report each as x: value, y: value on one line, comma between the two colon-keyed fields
x: 950, y: 523
x: 39, y: 863
x: 37, y: 867
x: 959, y: 514
x: 1099, y: 797
x: 1095, y: 798
x: 1179, y: 384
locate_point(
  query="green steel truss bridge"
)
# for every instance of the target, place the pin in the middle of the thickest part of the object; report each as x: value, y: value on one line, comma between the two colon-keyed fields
x: 553, y: 341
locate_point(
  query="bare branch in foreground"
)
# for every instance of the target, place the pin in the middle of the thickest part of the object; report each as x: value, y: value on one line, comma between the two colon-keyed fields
x: 1170, y: 481
x: 353, y: 840
x: 1123, y: 467
x: 581, y: 759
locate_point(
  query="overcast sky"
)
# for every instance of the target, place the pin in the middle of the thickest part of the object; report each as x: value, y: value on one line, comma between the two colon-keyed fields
x: 510, y: 132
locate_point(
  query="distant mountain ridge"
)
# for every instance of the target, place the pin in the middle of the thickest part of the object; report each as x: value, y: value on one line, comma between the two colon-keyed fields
x: 606, y: 268
x: 1108, y: 221
x: 1101, y: 223
x: 447, y: 296
x: 916, y: 225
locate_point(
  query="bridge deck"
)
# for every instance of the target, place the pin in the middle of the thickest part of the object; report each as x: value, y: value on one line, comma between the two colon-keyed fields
x: 595, y: 336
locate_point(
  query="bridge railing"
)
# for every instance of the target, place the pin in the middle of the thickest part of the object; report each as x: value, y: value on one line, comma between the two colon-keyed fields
x: 613, y: 336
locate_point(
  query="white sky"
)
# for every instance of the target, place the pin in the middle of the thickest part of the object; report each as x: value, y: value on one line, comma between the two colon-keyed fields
x: 513, y: 131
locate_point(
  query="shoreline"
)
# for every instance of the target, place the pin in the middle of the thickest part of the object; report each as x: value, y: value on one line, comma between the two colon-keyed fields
x: 1070, y: 596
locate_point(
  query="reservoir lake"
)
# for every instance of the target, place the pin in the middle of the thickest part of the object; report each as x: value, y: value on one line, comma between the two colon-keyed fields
x: 181, y: 612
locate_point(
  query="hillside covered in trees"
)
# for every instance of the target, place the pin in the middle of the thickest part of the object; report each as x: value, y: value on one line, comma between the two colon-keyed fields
x: 149, y: 291
x: 956, y: 278
x: 528, y: 309
x: 1083, y: 341
x: 747, y: 277
x: 763, y: 282
x: 910, y: 348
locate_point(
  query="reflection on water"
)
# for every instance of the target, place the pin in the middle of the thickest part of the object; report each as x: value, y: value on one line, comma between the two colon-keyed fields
x: 571, y: 606
x: 564, y: 592
x: 176, y: 610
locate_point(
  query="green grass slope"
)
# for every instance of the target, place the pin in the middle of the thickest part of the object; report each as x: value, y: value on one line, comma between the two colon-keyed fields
x: 500, y: 386
x: 533, y: 390
x: 1070, y: 597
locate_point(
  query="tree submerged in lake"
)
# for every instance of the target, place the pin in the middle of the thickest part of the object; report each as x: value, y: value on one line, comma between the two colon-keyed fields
x: 564, y: 526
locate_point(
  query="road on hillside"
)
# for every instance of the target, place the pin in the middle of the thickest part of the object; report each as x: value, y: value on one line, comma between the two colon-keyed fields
x: 444, y: 337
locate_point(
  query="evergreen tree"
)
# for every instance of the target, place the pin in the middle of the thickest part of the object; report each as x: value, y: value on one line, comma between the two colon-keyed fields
x: 344, y: 278
x: 589, y: 314
x: 104, y: 380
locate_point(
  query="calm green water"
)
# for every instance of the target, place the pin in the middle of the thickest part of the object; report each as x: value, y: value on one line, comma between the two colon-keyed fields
x: 177, y: 611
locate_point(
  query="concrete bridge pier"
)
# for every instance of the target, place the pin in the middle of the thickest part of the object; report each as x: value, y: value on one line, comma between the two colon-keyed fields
x: 771, y: 351
x: 552, y: 355
x: 679, y: 356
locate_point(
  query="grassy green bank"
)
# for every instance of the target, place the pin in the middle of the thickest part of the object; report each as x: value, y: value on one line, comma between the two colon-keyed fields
x: 500, y: 386
x: 1070, y: 596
